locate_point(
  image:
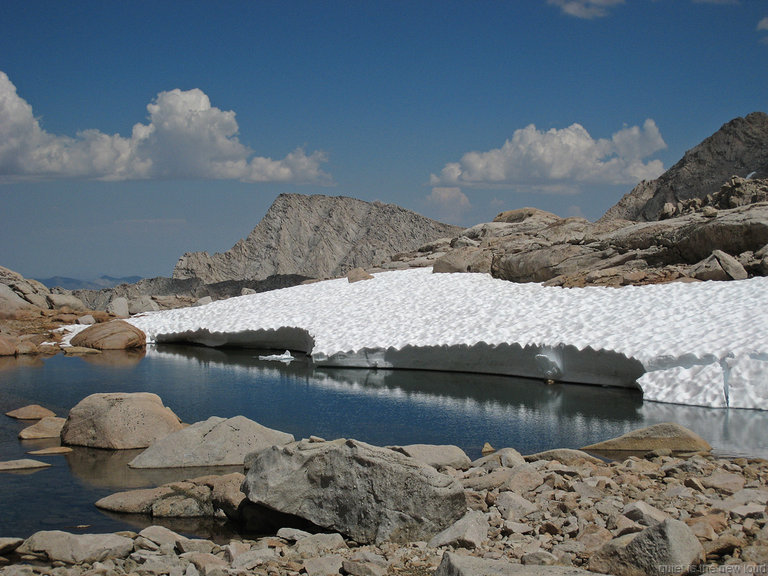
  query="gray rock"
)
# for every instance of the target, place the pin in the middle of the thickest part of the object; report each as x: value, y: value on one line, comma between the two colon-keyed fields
x: 643, y: 513
x: 161, y: 535
x: 653, y: 551
x: 368, y: 493
x: 323, y: 566
x: 657, y: 437
x: 708, y: 269
x: 731, y: 265
x: 143, y: 303
x: 437, y: 456
x: 466, y: 259
x: 456, y: 565
x: 48, y: 427
x: 87, y: 320
x: 506, y: 457
x: 213, y: 442
x: 468, y: 532
x: 119, y: 421
x: 356, y: 568
x: 317, y: 544
x: 134, y: 501
x: 56, y: 545
x: 316, y: 236
x: 65, y: 300
x: 513, y: 506
x: 119, y: 307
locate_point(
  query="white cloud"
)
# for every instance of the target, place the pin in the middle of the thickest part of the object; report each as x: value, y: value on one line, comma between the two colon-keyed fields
x: 185, y: 137
x: 763, y: 24
x: 587, y: 9
x: 449, y: 203
x: 556, y: 160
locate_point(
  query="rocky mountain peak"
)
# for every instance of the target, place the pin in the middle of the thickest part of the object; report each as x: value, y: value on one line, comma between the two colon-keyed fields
x: 317, y: 236
x: 738, y: 148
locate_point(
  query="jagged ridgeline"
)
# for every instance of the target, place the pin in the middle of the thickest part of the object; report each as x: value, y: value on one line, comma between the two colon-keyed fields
x: 316, y: 236
x: 738, y: 148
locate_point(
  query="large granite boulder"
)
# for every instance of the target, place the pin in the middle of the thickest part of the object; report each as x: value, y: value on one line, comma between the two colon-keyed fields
x: 665, y: 436
x: 58, y: 546
x: 368, y: 493
x: 119, y: 421
x: 214, y: 442
x: 114, y: 335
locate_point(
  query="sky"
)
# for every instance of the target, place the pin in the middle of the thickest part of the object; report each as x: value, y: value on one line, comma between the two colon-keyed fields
x: 133, y: 132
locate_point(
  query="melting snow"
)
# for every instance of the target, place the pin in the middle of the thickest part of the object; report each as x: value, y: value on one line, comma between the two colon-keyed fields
x: 701, y: 344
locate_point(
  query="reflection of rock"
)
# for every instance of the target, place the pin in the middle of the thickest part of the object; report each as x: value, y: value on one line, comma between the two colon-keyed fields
x: 109, y: 469
x: 116, y: 358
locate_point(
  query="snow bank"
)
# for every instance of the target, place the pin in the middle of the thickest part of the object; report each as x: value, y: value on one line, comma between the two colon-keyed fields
x: 701, y: 344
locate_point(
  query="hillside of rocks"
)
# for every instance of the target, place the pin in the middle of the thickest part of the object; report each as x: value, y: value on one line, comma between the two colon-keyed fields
x: 739, y: 148
x: 317, y: 236
x: 723, y: 237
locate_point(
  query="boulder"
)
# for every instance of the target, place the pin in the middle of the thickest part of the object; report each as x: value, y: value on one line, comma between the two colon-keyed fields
x: 668, y: 436
x: 48, y: 427
x: 115, y: 335
x: 65, y: 300
x: 11, y: 302
x: 358, y: 274
x: 468, y: 532
x: 368, y: 493
x: 58, y: 546
x: 31, y: 412
x: 214, y: 442
x: 437, y: 456
x: 668, y: 545
x: 119, y: 421
x: 119, y: 307
x: 142, y: 304
x: 466, y: 259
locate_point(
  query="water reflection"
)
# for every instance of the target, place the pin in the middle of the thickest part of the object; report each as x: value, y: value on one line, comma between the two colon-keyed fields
x: 383, y: 407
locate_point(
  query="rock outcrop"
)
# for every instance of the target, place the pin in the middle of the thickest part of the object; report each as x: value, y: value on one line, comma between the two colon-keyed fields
x: 739, y: 147
x: 368, y: 493
x: 317, y: 236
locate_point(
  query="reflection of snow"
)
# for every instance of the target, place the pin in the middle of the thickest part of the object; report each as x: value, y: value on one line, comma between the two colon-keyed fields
x: 285, y: 357
x: 564, y: 413
x: 698, y: 344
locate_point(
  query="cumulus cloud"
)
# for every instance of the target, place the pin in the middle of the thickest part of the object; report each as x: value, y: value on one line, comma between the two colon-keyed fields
x: 763, y: 24
x: 555, y: 160
x: 586, y: 9
x: 185, y: 137
x: 449, y: 203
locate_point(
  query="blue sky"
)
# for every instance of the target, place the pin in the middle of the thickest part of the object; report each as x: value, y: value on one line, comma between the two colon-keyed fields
x: 132, y: 132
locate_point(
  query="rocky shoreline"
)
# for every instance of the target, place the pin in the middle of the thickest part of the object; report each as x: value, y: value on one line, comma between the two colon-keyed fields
x: 664, y: 504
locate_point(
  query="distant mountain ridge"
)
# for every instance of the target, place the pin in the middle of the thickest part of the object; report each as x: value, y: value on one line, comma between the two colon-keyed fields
x: 738, y: 148
x: 316, y: 236
x: 95, y: 284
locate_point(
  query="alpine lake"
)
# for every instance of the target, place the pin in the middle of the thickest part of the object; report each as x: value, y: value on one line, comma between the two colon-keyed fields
x: 381, y: 407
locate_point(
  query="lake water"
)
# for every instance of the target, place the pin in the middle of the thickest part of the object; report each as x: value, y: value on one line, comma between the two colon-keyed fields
x: 383, y: 407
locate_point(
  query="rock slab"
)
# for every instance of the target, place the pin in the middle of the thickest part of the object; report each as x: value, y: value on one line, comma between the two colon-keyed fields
x: 666, y: 436
x: 368, y: 493
x: 214, y: 442
x: 56, y: 545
